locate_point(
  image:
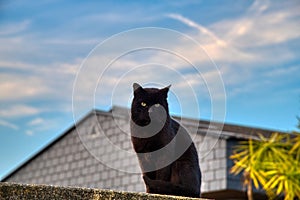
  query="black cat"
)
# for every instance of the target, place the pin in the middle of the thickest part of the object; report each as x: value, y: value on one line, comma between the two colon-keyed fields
x: 167, y: 156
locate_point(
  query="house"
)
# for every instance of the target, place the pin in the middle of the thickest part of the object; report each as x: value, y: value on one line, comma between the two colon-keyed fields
x: 96, y: 152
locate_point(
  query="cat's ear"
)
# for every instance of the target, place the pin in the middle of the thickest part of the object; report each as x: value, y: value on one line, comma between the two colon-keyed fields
x: 137, y: 88
x: 164, y: 91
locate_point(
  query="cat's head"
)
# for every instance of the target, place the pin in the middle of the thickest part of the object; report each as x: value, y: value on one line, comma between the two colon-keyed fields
x: 145, y: 101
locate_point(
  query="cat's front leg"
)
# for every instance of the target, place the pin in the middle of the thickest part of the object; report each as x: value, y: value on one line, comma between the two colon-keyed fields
x: 163, y: 168
x: 149, y: 184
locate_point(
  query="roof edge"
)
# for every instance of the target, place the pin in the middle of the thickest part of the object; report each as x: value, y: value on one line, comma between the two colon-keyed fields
x: 226, y: 132
x: 51, y: 143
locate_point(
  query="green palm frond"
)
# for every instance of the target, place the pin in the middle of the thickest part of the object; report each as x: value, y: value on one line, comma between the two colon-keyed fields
x: 295, y: 150
x: 273, y: 163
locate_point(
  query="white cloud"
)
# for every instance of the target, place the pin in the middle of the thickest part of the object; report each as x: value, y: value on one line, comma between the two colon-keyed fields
x: 38, y: 125
x: 266, y: 29
x: 199, y: 27
x: 287, y: 71
x: 217, y: 49
x: 36, y: 122
x: 257, y: 40
x: 258, y: 7
x: 15, y: 28
x: 16, y: 87
x: 18, y: 110
x: 8, y: 124
x: 247, y: 39
x: 15, y: 65
x: 36, y: 82
x: 264, y: 24
x: 233, y: 43
x: 70, y: 41
x: 118, y: 17
x: 29, y: 132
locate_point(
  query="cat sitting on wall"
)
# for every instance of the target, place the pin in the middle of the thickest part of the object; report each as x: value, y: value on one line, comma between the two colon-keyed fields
x: 167, y: 155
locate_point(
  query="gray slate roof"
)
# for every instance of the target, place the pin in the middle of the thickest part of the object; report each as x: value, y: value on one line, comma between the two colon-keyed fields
x: 66, y: 161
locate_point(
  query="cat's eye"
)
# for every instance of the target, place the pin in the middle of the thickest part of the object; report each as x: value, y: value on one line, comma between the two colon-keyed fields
x: 157, y: 105
x: 143, y: 104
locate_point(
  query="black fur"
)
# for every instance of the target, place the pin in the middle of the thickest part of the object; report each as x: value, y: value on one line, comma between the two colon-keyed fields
x: 181, y: 177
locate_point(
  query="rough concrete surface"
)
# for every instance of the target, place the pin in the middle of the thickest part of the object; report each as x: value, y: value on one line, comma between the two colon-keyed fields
x: 15, y: 191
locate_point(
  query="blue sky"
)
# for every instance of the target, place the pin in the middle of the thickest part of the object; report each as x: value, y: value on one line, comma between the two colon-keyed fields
x: 43, y: 46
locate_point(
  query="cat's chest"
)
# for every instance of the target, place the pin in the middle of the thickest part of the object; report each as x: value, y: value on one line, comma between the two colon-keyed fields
x: 145, y: 145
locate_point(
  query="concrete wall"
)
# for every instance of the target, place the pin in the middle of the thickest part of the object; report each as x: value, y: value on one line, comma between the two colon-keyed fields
x: 93, y: 155
x: 44, y: 192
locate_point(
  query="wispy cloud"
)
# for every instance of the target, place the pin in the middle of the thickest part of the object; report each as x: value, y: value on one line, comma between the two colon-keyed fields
x: 37, y: 125
x: 259, y: 40
x: 70, y: 41
x: 17, y: 87
x: 244, y: 38
x: 36, y: 121
x: 8, y: 124
x: 265, y: 25
x: 199, y: 27
x: 217, y: 48
x: 238, y: 45
x: 29, y: 132
x: 11, y: 29
x: 272, y: 27
x: 21, y: 80
x: 287, y: 71
x: 18, y: 111
x: 42, y: 123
